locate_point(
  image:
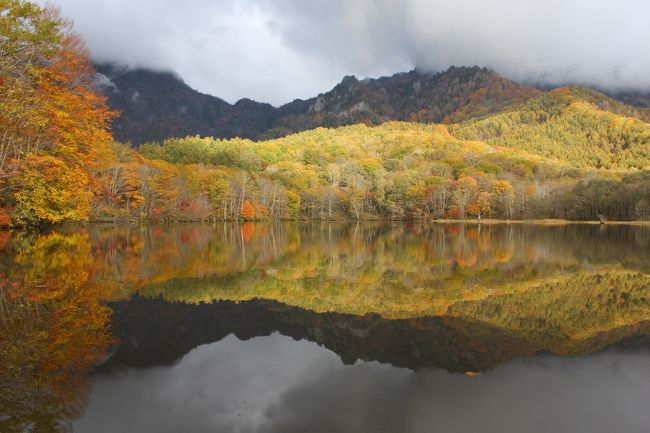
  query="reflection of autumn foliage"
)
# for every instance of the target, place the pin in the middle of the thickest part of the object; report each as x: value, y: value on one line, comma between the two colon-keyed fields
x: 4, y: 239
x: 247, y: 230
x: 502, y: 255
x: 527, y: 281
x: 466, y: 260
x: 394, y: 271
x: 54, y: 332
x: 577, y: 314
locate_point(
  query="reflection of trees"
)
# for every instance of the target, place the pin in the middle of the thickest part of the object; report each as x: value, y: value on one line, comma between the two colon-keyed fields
x: 600, y: 245
x: 53, y: 331
x: 549, y: 286
x: 141, y: 256
x: 396, y: 270
x: 577, y: 314
x: 502, y: 289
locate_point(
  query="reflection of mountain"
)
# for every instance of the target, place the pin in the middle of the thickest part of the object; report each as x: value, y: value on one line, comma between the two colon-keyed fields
x: 156, y: 332
x: 453, y: 296
x: 570, y: 289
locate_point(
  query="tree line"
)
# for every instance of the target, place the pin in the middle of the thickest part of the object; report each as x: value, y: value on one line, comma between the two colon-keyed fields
x: 393, y: 171
x: 58, y: 161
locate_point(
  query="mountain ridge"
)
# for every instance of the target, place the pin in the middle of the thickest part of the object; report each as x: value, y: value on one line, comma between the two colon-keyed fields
x: 156, y: 106
x: 159, y: 105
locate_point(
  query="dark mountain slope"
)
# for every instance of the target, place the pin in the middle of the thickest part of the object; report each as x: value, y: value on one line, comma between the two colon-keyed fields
x: 158, y: 105
x: 638, y: 99
x: 457, y: 94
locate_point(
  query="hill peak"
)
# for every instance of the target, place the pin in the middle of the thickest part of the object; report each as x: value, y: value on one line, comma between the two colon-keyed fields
x: 572, y: 124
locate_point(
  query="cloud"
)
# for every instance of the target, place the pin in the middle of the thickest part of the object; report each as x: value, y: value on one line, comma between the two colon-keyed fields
x: 277, y: 385
x: 277, y: 50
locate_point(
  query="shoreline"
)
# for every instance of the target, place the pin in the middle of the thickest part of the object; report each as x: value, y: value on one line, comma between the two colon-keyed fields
x: 473, y: 221
x: 547, y: 222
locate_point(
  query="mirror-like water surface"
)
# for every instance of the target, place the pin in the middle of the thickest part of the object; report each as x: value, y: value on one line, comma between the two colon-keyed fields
x: 326, y: 327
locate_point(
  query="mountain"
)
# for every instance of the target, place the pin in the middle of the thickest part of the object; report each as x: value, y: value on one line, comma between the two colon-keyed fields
x: 456, y: 94
x: 638, y: 99
x: 571, y: 124
x: 158, y: 105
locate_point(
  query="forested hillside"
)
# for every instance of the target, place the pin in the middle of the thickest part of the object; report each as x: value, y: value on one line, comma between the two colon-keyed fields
x: 456, y: 94
x: 576, y: 125
x: 569, y: 153
x: 159, y: 105
x: 397, y: 170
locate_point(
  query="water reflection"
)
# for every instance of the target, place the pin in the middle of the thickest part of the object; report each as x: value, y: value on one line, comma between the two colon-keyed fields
x: 157, y: 333
x: 275, y: 384
x: 395, y: 271
x: 460, y: 298
x: 54, y: 330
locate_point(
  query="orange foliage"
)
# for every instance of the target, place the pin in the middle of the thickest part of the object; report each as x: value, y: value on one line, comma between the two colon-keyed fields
x: 472, y: 208
x: 4, y: 217
x: 453, y: 213
x: 55, y: 330
x: 247, y: 211
x: 70, y: 133
x: 79, y: 119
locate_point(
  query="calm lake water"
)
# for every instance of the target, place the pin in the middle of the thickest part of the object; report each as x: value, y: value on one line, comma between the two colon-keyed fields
x: 319, y: 327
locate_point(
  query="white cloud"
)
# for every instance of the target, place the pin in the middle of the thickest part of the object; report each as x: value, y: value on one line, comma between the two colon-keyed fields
x: 277, y: 50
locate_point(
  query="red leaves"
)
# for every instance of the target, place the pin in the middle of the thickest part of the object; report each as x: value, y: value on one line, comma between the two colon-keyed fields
x: 4, y: 217
x: 247, y: 211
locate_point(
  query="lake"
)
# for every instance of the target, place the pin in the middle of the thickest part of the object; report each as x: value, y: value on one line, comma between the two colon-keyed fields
x: 326, y: 327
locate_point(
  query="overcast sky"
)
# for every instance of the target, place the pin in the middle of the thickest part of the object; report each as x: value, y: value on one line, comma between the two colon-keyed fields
x: 278, y: 50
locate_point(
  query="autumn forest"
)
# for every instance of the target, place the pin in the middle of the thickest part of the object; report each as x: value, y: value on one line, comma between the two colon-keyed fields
x: 446, y: 248
x: 569, y: 153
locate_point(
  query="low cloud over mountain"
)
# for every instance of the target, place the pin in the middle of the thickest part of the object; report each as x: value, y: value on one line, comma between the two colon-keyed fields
x: 278, y: 50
